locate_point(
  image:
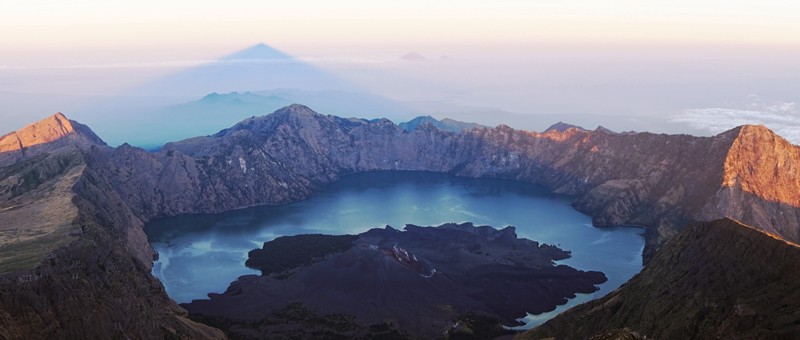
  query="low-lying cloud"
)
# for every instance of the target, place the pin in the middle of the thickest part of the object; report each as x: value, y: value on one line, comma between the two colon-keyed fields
x: 781, y: 117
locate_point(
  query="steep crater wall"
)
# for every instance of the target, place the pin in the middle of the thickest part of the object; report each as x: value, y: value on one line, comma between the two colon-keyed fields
x: 715, y: 280
x: 656, y: 181
x: 661, y: 182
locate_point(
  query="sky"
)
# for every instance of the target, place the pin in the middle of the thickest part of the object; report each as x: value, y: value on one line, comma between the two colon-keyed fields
x: 206, y: 25
x: 689, y: 60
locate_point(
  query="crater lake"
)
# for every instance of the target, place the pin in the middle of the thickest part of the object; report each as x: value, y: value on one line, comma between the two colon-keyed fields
x: 204, y: 253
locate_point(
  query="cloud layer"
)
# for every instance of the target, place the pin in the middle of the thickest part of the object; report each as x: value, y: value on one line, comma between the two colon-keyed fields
x: 781, y: 117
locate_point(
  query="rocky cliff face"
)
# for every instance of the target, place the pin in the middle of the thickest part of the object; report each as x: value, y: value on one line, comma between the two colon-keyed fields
x: 761, y: 183
x: 49, y: 134
x: 92, y: 288
x: 715, y: 280
x: 74, y: 262
x: 661, y: 182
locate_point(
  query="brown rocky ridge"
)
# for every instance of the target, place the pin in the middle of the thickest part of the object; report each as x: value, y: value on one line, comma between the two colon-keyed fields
x: 715, y: 280
x: 74, y: 263
x: 661, y: 182
x: 96, y: 196
x: 45, y: 135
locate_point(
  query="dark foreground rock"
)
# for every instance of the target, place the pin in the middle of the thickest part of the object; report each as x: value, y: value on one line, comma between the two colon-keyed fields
x: 74, y: 263
x: 423, y: 281
x: 92, y: 289
x: 716, y: 280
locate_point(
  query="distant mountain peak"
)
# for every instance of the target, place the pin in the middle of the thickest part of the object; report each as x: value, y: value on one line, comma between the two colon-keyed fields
x: 763, y: 163
x: 601, y: 128
x: 50, y: 133
x: 235, y: 95
x: 446, y: 124
x: 46, y: 130
x: 57, y: 116
x: 561, y: 127
x: 757, y: 129
x: 295, y: 108
x: 295, y: 112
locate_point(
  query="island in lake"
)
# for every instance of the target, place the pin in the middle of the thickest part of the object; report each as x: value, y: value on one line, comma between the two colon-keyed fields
x: 429, y: 282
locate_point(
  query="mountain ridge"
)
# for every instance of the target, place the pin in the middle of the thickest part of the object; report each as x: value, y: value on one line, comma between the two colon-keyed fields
x: 660, y: 182
x: 561, y: 127
x: 750, y: 152
x: 677, y: 180
x: 552, y: 158
x: 733, y: 281
x: 48, y: 134
x: 445, y: 124
x: 74, y: 262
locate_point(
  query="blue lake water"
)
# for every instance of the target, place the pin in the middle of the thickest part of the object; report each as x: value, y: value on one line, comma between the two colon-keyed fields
x: 202, y: 253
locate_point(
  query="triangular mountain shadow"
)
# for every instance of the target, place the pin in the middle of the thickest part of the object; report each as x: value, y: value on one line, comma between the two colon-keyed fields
x: 232, y: 88
x: 258, y: 67
x: 258, y: 52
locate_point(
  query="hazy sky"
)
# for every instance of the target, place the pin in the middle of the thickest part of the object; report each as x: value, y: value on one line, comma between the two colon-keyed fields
x: 629, y: 57
x: 122, y: 25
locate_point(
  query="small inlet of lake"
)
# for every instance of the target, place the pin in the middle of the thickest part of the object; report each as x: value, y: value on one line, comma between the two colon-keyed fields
x: 203, y: 253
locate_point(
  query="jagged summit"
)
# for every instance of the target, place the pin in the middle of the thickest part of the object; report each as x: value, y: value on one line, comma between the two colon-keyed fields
x: 763, y: 163
x: 50, y: 133
x: 601, y: 128
x: 751, y: 129
x: 760, y: 131
x: 446, y: 124
x: 295, y: 109
x: 48, y: 129
x: 756, y: 127
x: 269, y: 122
x: 292, y: 111
x: 561, y: 127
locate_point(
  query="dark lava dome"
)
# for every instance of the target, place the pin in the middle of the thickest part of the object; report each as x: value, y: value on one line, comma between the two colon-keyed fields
x: 422, y: 280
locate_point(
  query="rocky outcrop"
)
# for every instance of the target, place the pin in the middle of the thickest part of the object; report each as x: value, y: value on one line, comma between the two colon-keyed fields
x: 92, y: 288
x: 561, y: 127
x: 715, y: 280
x: 49, y: 134
x: 74, y: 262
x: 764, y: 164
x: 761, y: 183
